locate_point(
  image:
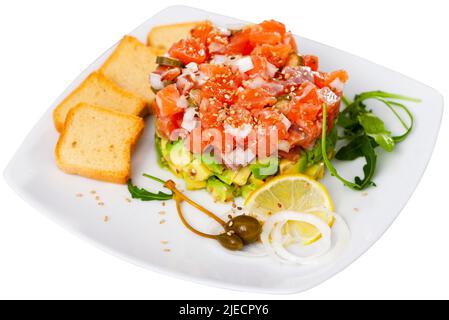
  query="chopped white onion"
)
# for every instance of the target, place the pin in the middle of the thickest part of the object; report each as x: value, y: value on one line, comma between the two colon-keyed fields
x: 223, y: 31
x: 271, y: 87
x: 244, y: 64
x: 188, y: 122
x: 219, y: 59
x: 236, y: 26
x: 156, y: 81
x: 216, y: 47
x: 183, y: 84
x: 272, y: 69
x: 328, y: 96
x: 202, y: 78
x: 284, y: 145
x: 241, y: 132
x: 337, y: 84
x: 192, y: 66
x: 182, y: 102
x: 285, y: 121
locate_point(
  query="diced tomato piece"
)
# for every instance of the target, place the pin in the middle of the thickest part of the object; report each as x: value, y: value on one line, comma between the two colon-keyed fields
x: 311, y: 62
x: 221, y: 84
x: 167, y: 125
x: 189, y: 50
x: 293, y: 155
x: 211, y: 70
x: 290, y: 40
x: 260, y: 68
x: 239, y: 43
x: 305, y: 134
x: 166, y: 101
x: 273, y: 26
x: 307, y: 92
x: 269, y: 118
x: 236, y: 117
x: 323, y: 79
x: 202, y: 31
x: 264, y: 37
x: 254, y: 99
x: 168, y: 73
x: 276, y: 55
x: 208, y: 112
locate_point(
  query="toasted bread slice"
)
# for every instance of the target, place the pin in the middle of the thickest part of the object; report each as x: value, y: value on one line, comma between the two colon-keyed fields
x: 163, y: 37
x: 99, y: 90
x: 97, y: 143
x: 130, y: 65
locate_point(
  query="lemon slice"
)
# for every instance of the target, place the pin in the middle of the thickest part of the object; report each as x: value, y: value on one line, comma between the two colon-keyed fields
x: 296, y: 192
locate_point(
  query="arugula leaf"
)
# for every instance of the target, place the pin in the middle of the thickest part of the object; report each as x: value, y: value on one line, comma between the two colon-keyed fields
x: 365, y: 132
x: 351, y: 151
x: 375, y: 128
x: 144, y: 195
x: 358, y: 147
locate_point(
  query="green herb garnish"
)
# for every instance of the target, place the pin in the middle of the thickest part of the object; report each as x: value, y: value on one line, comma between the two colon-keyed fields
x: 144, y: 195
x: 364, y: 132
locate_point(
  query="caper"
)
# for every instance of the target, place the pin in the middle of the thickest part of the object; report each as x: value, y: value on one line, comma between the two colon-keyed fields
x: 230, y: 241
x: 246, y: 227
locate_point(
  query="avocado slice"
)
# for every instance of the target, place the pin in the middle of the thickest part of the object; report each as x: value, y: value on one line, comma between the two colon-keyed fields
x: 192, y: 184
x: 316, y: 171
x: 164, y: 145
x: 211, y: 163
x: 178, y: 154
x: 265, y: 168
x: 220, y: 191
x: 197, y: 171
x: 160, y: 158
x: 252, y: 184
x: 227, y: 176
x: 290, y: 167
x: 246, y: 190
x: 242, y: 176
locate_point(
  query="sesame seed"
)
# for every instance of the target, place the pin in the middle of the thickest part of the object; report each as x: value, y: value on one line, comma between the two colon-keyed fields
x: 93, y: 192
x: 106, y: 219
x: 101, y: 204
x: 79, y: 195
x: 163, y: 221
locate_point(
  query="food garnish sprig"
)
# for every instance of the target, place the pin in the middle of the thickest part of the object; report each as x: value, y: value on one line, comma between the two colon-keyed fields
x: 364, y: 132
x: 238, y: 232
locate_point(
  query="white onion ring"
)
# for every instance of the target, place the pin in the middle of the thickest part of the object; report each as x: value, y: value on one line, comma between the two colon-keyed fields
x: 275, y: 247
x: 274, y: 225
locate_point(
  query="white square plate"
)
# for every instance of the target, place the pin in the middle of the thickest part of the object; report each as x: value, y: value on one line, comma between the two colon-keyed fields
x: 134, y: 231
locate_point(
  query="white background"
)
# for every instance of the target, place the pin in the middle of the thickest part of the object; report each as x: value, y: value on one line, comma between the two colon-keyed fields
x: 45, y: 45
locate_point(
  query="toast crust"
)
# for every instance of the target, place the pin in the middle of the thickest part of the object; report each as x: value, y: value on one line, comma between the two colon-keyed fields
x: 60, y: 112
x: 143, y: 89
x: 119, y: 177
x: 181, y: 30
